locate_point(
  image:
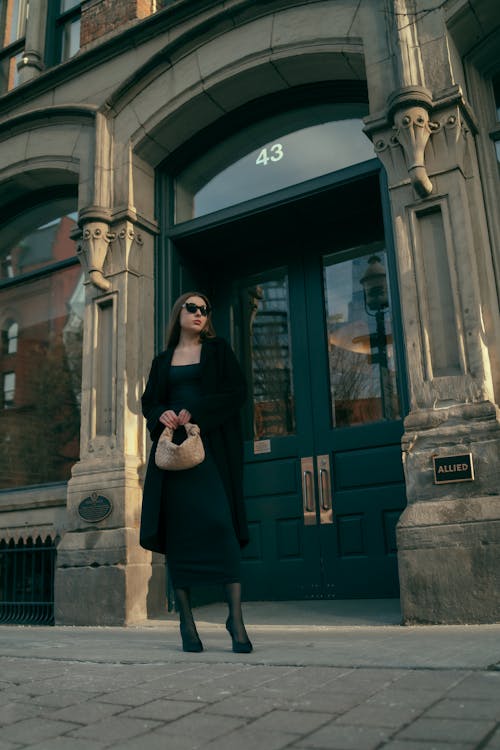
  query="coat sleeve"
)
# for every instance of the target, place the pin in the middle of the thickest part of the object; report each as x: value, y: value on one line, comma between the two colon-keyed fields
x: 152, y: 408
x: 216, y: 408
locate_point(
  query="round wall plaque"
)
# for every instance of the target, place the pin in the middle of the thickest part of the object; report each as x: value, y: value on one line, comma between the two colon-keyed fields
x: 95, y: 508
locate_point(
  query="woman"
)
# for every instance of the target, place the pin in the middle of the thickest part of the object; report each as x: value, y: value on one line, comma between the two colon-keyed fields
x: 197, y: 516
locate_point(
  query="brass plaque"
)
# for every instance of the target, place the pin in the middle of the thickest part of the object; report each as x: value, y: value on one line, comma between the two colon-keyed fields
x: 95, y: 508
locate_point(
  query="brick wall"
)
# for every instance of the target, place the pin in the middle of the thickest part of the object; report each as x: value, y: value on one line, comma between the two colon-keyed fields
x: 104, y: 17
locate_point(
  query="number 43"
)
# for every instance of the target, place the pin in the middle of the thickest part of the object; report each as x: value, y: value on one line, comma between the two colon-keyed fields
x: 274, y: 153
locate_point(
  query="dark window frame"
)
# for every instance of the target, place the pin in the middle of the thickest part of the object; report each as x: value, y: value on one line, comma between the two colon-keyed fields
x: 494, y: 131
x: 6, y: 54
x: 56, y: 22
x: 7, y: 337
x: 9, y: 51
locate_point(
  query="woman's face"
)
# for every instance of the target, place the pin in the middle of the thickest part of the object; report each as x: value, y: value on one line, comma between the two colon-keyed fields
x: 191, y: 319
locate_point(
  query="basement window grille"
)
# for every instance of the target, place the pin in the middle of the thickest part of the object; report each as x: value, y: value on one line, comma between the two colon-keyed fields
x: 27, y: 581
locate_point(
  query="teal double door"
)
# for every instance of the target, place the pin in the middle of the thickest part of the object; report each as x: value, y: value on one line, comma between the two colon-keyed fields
x: 308, y: 299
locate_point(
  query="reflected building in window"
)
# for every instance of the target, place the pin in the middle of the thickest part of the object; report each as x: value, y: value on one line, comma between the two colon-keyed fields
x: 268, y: 357
x: 40, y: 360
x: 360, y: 344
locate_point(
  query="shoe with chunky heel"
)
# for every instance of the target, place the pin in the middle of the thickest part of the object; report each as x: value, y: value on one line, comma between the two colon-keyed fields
x: 190, y: 642
x: 239, y: 647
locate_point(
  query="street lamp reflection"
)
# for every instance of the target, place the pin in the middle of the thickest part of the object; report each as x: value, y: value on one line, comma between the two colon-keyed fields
x: 376, y: 300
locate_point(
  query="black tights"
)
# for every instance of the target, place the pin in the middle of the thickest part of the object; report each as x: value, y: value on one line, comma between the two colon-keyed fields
x: 233, y: 598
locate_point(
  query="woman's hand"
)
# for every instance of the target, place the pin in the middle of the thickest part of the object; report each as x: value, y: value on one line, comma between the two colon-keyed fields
x: 184, y: 417
x: 170, y: 419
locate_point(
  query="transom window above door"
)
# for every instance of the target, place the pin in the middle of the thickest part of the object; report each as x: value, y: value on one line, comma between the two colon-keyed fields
x: 281, y: 151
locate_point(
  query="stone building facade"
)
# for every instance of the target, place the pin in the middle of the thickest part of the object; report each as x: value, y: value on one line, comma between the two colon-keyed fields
x: 379, y: 227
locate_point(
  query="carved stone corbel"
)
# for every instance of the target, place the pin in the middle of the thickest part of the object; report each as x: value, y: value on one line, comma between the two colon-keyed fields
x: 129, y: 243
x: 93, y: 242
x: 413, y: 128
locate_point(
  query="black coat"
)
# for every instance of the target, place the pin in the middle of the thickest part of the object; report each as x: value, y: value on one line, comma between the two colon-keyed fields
x: 223, y: 393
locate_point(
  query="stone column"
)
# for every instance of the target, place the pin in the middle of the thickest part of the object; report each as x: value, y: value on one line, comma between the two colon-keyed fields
x: 31, y: 63
x: 103, y: 576
x: 449, y: 534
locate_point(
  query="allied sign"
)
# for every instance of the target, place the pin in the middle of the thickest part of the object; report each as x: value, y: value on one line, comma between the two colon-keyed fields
x: 453, y: 468
x: 95, y: 508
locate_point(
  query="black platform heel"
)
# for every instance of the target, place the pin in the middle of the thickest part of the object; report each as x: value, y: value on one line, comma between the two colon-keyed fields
x: 239, y: 647
x: 190, y: 642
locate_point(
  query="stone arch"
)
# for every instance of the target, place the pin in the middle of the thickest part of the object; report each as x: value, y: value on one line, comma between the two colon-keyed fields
x: 184, y: 92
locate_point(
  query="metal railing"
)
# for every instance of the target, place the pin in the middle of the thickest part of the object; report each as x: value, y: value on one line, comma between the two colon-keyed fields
x: 27, y: 581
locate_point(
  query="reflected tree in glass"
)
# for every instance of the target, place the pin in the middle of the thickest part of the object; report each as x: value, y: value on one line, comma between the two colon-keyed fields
x: 360, y: 342
x: 39, y: 430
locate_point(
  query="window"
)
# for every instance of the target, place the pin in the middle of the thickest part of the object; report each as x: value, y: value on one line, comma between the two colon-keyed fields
x: 9, y: 337
x: 41, y: 353
x: 13, y: 15
x: 9, y: 389
x: 6, y: 270
x: 284, y: 150
x: 496, y: 91
x: 495, y: 133
x: 63, y: 30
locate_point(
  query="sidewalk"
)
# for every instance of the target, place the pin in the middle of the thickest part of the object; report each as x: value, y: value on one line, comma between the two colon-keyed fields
x: 323, y: 676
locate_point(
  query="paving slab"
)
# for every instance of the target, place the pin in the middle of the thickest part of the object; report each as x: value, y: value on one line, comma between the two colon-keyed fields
x: 332, y: 676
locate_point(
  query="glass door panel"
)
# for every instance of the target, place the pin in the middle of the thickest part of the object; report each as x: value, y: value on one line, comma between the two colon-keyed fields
x: 359, y: 338
x: 358, y: 429
x: 265, y: 348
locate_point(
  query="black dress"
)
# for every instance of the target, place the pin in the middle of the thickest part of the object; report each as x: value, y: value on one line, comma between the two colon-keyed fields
x: 200, y: 540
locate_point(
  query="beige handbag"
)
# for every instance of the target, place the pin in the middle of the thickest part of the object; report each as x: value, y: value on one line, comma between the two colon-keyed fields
x: 189, y: 453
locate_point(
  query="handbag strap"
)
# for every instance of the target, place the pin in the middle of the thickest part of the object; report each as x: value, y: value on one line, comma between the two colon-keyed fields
x: 191, y: 429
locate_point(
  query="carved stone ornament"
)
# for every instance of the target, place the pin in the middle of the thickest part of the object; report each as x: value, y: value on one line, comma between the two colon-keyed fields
x: 129, y: 244
x: 30, y: 59
x: 413, y: 128
x: 92, y: 249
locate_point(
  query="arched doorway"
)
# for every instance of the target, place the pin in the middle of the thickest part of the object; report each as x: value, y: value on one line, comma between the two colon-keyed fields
x: 302, y: 277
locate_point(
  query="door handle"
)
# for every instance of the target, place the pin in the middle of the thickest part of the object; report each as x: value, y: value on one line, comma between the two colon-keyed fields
x: 325, y: 489
x: 308, y: 503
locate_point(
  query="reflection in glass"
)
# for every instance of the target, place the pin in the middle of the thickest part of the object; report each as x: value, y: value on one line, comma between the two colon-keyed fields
x: 40, y: 362
x: 360, y: 341
x: 496, y: 92
x: 266, y: 354
x: 70, y: 39
x: 284, y: 150
x: 14, y: 18
x: 9, y: 389
x: 9, y: 74
x: 22, y: 252
x: 9, y: 337
x: 68, y: 4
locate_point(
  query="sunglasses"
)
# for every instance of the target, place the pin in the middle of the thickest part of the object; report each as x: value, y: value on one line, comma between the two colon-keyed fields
x: 190, y: 307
